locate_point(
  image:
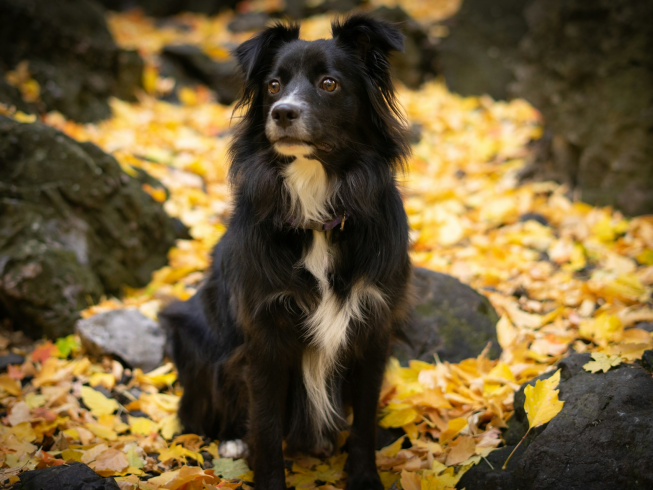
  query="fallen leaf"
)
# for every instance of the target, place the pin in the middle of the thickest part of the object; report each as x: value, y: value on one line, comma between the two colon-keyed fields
x: 230, y: 468
x: 602, y: 362
x: 97, y: 403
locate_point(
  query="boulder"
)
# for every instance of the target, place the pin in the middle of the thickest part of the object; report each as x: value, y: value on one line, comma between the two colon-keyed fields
x: 189, y: 65
x: 70, y: 53
x: 602, y: 439
x: 73, y: 226
x: 128, y: 334
x: 450, y: 320
x: 71, y: 476
x: 588, y: 68
x: 479, y: 54
x: 164, y: 8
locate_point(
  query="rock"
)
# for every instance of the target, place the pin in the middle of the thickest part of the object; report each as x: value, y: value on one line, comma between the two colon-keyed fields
x: 418, y: 62
x: 70, y: 53
x: 450, y: 319
x: 249, y: 21
x: 8, y: 359
x: 71, y: 476
x: 479, y: 54
x: 602, y: 439
x: 128, y: 334
x: 190, y: 65
x: 164, y: 8
x: 588, y: 68
x: 73, y: 226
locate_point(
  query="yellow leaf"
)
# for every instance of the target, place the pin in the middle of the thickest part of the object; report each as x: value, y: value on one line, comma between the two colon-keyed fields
x: 410, y: 481
x: 102, y: 431
x: 603, y: 329
x: 602, y: 362
x: 179, y: 453
x: 542, y: 403
x: 454, y: 427
x: 142, y: 426
x: 97, y: 403
x: 170, y: 426
x: 102, y: 379
x: 393, y: 448
x: 399, y: 417
x: 11, y: 386
x: 462, y: 449
x: 172, y: 480
x: 506, y: 332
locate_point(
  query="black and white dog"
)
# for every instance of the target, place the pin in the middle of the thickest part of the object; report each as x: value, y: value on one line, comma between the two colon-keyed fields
x: 293, y: 324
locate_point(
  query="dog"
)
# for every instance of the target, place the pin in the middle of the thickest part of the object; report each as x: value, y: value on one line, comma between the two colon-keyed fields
x: 293, y: 324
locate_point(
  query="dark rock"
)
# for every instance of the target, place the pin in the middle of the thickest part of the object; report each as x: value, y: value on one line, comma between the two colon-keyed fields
x: 479, y: 54
x: 164, y: 8
x: 128, y: 334
x: 73, y: 227
x: 417, y: 63
x: 647, y: 360
x: 70, y: 53
x: 10, y: 359
x: 588, y: 68
x: 602, y: 439
x: 249, y: 21
x: 450, y: 319
x: 534, y: 217
x: 72, y: 476
x: 191, y: 65
x: 648, y: 326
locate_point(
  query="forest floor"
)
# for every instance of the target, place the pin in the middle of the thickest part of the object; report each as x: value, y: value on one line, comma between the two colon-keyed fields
x: 571, y: 277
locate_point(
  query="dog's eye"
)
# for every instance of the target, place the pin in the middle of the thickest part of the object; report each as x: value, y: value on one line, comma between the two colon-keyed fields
x: 274, y: 86
x: 329, y: 84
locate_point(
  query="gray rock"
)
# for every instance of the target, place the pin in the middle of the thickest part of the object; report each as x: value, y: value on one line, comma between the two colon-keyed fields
x: 450, y: 319
x: 479, y: 54
x: 71, y: 54
x: 602, y: 439
x: 8, y: 359
x: 72, y: 476
x: 128, y: 334
x: 588, y: 67
x: 73, y: 227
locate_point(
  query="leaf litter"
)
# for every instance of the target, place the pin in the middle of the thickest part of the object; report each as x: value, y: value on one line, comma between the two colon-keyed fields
x: 562, y: 274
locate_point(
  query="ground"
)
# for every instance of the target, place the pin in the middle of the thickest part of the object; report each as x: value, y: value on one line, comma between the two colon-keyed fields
x: 562, y: 274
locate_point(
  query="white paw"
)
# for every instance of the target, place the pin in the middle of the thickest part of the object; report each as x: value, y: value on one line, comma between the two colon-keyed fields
x: 233, y: 449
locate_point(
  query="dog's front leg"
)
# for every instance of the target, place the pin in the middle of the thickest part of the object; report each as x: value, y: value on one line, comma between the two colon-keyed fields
x: 268, y: 386
x: 366, y: 379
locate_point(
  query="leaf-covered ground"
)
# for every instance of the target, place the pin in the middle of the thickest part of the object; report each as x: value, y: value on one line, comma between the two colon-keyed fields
x: 583, y: 280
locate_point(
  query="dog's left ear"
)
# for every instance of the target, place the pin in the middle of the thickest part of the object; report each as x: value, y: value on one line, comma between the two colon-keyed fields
x: 373, y: 40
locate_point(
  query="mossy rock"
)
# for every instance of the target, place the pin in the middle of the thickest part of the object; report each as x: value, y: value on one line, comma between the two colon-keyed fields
x: 450, y: 320
x: 73, y: 226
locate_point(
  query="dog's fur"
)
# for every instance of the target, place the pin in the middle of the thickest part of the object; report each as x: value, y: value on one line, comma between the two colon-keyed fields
x: 293, y: 324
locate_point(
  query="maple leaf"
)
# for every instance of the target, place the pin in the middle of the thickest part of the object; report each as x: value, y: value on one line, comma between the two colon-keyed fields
x: 110, y: 461
x: 541, y: 405
x: 43, y: 351
x: 602, y: 362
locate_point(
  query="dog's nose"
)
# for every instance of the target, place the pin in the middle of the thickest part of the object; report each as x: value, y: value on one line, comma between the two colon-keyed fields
x: 285, y: 114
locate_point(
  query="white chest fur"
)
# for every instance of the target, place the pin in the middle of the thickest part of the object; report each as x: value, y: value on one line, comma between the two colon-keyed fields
x: 327, y: 324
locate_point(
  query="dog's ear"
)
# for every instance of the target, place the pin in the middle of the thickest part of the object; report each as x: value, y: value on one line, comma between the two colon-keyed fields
x: 373, y: 40
x: 255, y: 55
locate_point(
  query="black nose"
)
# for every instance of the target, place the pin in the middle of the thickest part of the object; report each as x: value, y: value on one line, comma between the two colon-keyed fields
x: 285, y: 114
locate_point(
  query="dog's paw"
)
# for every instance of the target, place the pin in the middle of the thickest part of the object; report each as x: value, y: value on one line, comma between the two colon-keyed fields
x: 233, y: 449
x: 367, y: 481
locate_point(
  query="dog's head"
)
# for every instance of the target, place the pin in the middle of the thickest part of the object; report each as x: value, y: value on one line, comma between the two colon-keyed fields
x: 322, y: 98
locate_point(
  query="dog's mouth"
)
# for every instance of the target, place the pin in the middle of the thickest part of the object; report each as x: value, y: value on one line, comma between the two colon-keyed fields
x: 290, y: 142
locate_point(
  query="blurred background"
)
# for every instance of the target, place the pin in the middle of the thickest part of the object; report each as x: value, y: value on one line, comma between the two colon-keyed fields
x: 529, y: 194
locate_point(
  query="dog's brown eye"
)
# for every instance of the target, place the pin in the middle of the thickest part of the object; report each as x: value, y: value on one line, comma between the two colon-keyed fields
x: 329, y: 84
x: 274, y: 86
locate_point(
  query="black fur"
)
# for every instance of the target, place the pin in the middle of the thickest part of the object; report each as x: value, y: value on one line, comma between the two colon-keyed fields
x: 238, y: 343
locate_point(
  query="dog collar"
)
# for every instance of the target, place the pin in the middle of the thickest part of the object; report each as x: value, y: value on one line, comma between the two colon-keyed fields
x: 326, y: 225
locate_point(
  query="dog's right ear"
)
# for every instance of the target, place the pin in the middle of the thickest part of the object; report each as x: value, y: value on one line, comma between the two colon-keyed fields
x: 255, y: 55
